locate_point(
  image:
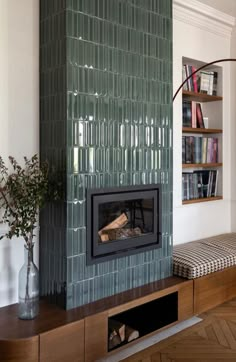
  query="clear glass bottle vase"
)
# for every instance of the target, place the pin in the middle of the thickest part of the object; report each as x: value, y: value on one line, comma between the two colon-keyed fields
x: 28, y: 287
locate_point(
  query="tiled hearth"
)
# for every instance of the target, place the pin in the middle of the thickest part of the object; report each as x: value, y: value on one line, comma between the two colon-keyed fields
x: 106, y: 121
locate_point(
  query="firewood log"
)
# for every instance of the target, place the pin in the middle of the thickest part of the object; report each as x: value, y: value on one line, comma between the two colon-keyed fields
x: 114, y: 339
x: 119, y: 222
x: 123, y: 233
x: 119, y: 327
x: 130, y: 334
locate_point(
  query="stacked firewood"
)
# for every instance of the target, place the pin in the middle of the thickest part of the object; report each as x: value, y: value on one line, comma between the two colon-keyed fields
x: 119, y: 332
x: 116, y: 230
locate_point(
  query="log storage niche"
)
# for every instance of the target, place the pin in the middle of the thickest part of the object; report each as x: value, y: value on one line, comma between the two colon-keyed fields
x: 137, y: 322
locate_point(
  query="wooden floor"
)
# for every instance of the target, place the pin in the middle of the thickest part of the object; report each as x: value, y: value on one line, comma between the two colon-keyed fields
x: 212, y: 340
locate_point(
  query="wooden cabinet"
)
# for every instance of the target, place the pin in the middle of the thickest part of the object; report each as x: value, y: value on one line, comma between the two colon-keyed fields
x: 96, y: 327
x: 96, y: 336
x: 20, y: 350
x: 202, y: 147
x: 63, y: 344
x: 81, y: 334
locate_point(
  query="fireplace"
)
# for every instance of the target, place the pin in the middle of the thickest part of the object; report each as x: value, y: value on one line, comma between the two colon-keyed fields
x: 107, y: 123
x: 122, y: 221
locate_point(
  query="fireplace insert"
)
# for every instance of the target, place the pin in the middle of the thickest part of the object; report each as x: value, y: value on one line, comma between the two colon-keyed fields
x: 122, y: 221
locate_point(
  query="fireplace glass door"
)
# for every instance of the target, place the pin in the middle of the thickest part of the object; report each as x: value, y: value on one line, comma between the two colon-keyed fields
x: 123, y: 220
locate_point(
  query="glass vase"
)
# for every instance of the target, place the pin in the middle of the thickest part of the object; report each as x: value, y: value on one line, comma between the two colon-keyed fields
x: 28, y: 287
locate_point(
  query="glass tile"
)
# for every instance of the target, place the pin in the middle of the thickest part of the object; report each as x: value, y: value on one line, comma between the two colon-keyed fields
x: 116, y: 122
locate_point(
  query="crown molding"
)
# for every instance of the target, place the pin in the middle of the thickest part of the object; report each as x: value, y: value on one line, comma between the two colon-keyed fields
x: 203, y: 16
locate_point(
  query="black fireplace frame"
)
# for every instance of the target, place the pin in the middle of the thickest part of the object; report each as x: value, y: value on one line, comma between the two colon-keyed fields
x: 97, y: 252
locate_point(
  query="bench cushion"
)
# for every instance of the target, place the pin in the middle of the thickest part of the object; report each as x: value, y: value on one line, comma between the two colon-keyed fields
x: 201, y: 257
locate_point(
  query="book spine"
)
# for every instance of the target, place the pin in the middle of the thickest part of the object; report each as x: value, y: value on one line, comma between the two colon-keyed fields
x: 194, y: 114
x: 204, y: 150
x: 185, y: 86
x: 183, y: 149
x: 199, y: 116
x: 209, y: 148
x: 187, y: 114
x: 215, y: 81
x: 187, y: 149
x: 195, y: 87
x: 211, y: 80
x: 198, y: 149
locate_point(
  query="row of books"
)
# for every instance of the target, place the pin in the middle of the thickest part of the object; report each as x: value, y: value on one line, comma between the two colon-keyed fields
x: 199, y: 184
x: 199, y: 149
x: 192, y: 115
x: 203, y: 81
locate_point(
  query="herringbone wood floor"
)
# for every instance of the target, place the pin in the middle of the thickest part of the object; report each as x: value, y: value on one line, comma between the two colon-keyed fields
x: 212, y: 340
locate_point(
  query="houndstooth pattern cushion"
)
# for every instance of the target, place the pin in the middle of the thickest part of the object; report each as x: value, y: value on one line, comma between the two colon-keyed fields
x: 201, y: 257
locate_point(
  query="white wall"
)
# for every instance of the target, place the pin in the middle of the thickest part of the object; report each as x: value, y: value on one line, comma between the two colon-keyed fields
x: 19, y: 112
x: 19, y: 122
x: 193, y: 39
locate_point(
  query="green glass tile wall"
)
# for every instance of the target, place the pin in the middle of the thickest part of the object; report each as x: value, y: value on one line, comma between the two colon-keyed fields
x: 53, y: 145
x: 114, y: 125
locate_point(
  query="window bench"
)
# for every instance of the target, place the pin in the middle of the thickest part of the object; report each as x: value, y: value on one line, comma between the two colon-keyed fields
x: 211, y: 263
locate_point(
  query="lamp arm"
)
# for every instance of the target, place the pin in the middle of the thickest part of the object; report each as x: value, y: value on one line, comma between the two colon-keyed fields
x: 197, y: 70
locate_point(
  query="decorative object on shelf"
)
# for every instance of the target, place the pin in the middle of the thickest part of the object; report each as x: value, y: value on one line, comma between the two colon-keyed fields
x: 28, y: 286
x: 23, y: 192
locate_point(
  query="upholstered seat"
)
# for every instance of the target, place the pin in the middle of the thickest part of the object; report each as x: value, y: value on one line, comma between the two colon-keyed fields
x: 201, y: 257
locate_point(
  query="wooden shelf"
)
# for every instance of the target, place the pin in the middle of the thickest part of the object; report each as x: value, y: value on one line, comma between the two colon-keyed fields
x: 203, y: 165
x: 204, y: 199
x: 200, y: 97
x: 201, y: 130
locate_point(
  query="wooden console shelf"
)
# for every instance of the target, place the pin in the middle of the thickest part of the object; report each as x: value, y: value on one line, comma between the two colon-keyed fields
x: 60, y: 335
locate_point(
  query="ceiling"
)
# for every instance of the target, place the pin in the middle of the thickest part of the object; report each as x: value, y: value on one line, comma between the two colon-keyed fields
x: 226, y: 6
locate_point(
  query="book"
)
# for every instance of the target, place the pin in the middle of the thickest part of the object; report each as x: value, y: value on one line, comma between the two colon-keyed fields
x: 203, y: 178
x: 204, y: 149
x: 183, y: 149
x: 198, y: 150
x: 187, y: 114
x: 186, y: 186
x: 215, y: 81
x: 185, y: 86
x: 215, y: 150
x: 199, y: 184
x: 214, y: 183
x: 194, y: 114
x: 209, y: 149
x: 187, y: 71
x: 194, y: 77
x: 206, y: 82
x: 199, y: 116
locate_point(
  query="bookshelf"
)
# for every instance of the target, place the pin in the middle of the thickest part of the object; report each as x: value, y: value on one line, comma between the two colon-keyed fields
x: 202, y: 143
x: 201, y: 97
x: 202, y: 165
